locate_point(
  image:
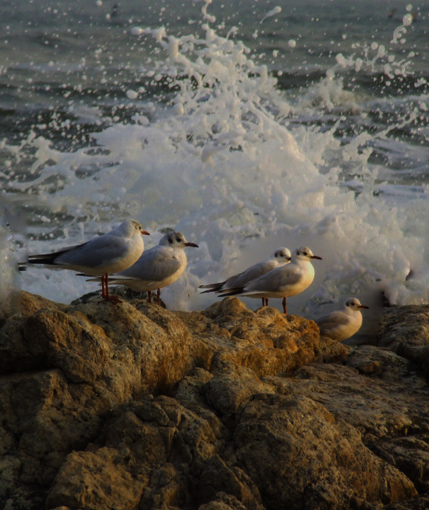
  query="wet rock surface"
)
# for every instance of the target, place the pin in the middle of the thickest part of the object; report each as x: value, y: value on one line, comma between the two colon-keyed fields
x: 136, y: 407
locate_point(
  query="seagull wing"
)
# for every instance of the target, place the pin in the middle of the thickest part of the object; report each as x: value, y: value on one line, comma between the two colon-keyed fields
x: 94, y: 252
x: 155, y: 265
x: 251, y: 273
x: 275, y: 280
x: 333, y: 319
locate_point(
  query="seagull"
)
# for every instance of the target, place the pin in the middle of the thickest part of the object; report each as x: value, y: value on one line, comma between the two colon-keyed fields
x: 284, y: 281
x: 101, y: 256
x: 343, y: 323
x: 158, y: 267
x: 280, y: 257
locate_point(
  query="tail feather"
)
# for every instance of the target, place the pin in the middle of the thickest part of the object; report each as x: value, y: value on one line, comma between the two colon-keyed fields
x: 212, y: 287
x: 48, y: 259
x: 232, y: 292
x: 41, y: 259
x: 45, y: 258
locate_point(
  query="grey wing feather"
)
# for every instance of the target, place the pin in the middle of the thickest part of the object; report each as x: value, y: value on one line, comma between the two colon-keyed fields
x: 49, y: 258
x: 212, y: 287
x: 153, y: 265
x: 240, y: 279
x: 94, y: 252
x: 332, y: 320
x: 274, y: 279
x: 252, y: 273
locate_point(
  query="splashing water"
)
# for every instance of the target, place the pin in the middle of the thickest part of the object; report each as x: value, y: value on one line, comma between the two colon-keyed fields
x: 221, y: 153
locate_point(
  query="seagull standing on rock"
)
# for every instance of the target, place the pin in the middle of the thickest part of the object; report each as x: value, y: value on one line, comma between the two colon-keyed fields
x: 344, y: 323
x: 112, y: 252
x: 282, y: 282
x: 158, y: 267
x: 280, y: 257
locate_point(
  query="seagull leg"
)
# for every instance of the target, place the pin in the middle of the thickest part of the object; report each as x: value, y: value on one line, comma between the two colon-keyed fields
x: 103, y: 287
x: 113, y: 299
x: 159, y: 297
x: 149, y: 296
x: 284, y: 305
x: 106, y: 286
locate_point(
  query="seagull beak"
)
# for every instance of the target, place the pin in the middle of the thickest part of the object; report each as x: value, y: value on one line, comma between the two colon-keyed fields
x: 316, y: 257
x: 364, y: 306
x: 192, y: 244
x: 145, y: 233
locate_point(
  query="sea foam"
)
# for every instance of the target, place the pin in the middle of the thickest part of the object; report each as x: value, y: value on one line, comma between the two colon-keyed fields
x: 217, y: 155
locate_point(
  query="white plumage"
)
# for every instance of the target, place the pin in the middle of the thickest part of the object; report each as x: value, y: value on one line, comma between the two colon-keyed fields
x: 343, y: 323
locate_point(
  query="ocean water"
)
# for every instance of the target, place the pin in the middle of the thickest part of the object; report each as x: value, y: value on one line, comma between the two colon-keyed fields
x: 247, y: 125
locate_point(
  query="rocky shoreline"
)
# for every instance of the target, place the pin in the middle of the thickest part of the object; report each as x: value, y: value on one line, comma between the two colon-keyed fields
x: 136, y: 407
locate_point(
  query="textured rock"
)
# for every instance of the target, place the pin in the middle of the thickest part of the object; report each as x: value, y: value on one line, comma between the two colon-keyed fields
x: 136, y: 407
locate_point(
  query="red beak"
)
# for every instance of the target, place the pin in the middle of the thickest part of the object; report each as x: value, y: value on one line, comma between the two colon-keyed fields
x: 145, y: 233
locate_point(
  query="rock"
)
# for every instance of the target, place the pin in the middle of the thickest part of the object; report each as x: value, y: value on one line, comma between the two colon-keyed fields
x: 320, y: 460
x: 134, y: 406
x: 405, y: 330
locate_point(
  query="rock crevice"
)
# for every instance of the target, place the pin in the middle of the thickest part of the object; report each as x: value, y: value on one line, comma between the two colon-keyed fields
x: 136, y: 407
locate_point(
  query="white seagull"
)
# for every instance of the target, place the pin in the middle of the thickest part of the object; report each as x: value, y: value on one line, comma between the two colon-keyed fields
x: 158, y: 267
x: 280, y: 257
x: 344, y: 323
x: 284, y: 281
x: 101, y: 256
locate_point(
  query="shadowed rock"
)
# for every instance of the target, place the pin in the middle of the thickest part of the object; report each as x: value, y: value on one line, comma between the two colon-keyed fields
x: 134, y: 406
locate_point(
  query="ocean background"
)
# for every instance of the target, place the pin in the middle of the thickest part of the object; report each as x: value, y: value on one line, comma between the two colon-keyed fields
x: 247, y: 125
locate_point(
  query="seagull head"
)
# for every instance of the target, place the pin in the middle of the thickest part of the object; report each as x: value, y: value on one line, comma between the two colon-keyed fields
x: 132, y: 227
x: 176, y: 240
x: 354, y: 304
x: 283, y: 254
x: 304, y: 253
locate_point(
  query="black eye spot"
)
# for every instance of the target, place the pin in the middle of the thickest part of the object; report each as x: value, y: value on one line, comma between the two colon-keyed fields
x: 170, y: 240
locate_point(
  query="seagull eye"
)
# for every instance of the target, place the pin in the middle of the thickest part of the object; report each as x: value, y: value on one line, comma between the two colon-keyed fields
x: 178, y: 239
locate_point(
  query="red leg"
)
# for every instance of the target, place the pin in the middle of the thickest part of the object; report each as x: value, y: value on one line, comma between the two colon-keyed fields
x: 106, y: 295
x: 159, y: 297
x: 149, y: 296
x: 284, y: 305
x: 103, y: 287
x: 106, y: 279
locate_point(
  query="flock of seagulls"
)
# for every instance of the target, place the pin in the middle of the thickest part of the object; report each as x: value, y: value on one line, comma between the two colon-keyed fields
x: 157, y: 268
x: 278, y: 258
x: 120, y: 256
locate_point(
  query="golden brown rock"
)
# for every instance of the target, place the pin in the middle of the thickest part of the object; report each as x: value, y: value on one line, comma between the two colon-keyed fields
x: 136, y: 407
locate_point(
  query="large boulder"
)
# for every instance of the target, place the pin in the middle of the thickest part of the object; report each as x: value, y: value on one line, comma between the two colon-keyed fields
x: 133, y: 406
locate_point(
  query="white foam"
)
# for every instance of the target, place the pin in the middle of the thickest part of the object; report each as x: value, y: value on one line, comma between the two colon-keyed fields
x: 222, y: 166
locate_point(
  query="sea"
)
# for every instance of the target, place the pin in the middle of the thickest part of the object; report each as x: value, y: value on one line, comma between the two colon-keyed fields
x: 247, y: 125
